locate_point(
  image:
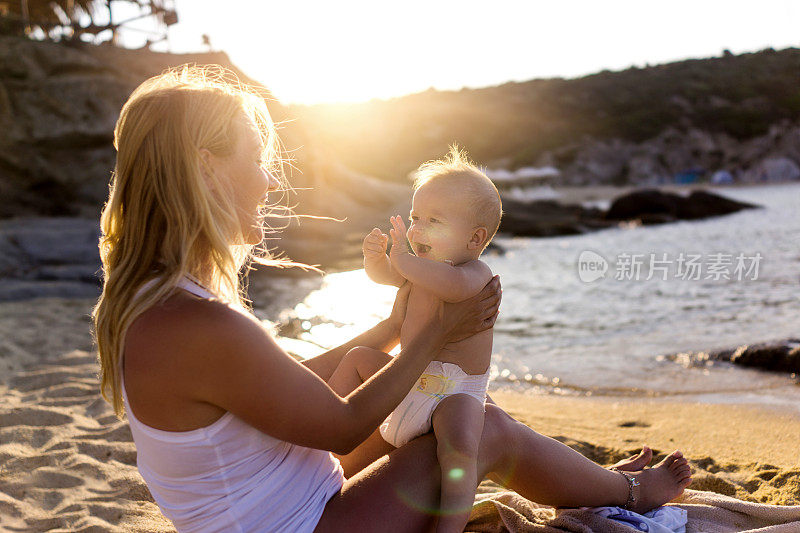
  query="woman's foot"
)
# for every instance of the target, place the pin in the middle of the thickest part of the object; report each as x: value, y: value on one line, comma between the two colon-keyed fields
x: 636, y: 462
x: 660, y: 484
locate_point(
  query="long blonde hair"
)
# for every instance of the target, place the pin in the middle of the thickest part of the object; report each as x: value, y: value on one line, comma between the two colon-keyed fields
x: 167, y: 214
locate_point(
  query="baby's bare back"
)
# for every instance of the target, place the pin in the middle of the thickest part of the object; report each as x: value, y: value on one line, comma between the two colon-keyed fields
x: 473, y: 354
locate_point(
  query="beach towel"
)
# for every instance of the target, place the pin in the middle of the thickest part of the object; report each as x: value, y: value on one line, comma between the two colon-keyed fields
x: 707, y: 512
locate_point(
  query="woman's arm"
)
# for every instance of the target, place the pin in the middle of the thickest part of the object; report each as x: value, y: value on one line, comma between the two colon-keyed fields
x: 236, y: 365
x: 384, y: 336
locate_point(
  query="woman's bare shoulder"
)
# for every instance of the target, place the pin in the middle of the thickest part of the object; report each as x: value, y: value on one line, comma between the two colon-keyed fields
x: 183, y: 324
x: 169, y: 350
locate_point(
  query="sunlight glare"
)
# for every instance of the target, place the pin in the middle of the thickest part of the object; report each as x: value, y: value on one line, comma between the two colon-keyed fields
x: 347, y: 304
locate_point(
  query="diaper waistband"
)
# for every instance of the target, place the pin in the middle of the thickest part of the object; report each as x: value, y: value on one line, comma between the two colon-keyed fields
x: 440, y: 379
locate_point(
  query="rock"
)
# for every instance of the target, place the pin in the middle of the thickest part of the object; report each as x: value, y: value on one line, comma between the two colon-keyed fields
x: 773, y: 156
x: 655, y: 207
x: 58, y: 108
x: 49, y: 257
x: 547, y: 218
x: 643, y: 202
x: 55, y: 240
x: 15, y: 289
x: 780, y: 356
x: 774, y: 169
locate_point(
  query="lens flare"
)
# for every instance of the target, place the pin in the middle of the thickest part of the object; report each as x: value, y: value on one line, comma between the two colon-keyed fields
x: 456, y: 474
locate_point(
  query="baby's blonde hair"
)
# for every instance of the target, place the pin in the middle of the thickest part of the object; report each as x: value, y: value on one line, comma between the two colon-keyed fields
x: 485, y: 206
x: 167, y: 214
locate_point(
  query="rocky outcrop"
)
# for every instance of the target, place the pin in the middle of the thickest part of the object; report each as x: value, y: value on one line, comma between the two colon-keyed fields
x: 652, y: 206
x: 780, y: 356
x: 49, y: 257
x: 547, y: 218
x: 58, y: 107
x: 771, y: 157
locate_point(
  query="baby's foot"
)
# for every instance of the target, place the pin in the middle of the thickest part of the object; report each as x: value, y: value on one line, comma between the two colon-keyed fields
x: 636, y: 462
x: 662, y: 483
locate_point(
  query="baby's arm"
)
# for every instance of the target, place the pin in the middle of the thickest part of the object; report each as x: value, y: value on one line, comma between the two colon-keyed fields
x: 376, y: 262
x: 445, y: 281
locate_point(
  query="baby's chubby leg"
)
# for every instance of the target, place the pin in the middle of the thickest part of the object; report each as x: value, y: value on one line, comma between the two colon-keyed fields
x: 458, y: 425
x: 355, y: 368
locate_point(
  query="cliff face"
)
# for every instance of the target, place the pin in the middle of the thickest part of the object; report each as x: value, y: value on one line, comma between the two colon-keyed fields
x: 58, y: 107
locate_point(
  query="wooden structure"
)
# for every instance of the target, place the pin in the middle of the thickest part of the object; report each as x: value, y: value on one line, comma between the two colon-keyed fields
x: 67, y: 19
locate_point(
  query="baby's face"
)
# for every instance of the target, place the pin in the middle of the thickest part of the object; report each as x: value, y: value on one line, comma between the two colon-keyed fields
x: 440, y: 224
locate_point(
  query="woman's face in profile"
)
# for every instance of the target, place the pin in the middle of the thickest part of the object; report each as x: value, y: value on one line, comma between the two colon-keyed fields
x: 245, y: 170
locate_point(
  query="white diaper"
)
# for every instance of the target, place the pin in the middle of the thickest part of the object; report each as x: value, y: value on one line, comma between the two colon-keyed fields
x: 412, y: 417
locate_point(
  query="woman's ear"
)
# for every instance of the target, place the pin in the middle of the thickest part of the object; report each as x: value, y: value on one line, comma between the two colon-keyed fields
x: 478, y: 238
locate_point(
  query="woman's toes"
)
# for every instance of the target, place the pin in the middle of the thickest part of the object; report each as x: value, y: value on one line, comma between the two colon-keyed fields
x: 636, y: 462
x: 668, y: 460
x: 678, y: 464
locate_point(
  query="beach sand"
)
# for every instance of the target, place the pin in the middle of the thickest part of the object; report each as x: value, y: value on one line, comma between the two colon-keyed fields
x: 68, y: 464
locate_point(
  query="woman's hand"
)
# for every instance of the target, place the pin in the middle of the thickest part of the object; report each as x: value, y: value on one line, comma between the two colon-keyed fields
x: 399, y: 308
x: 464, y: 319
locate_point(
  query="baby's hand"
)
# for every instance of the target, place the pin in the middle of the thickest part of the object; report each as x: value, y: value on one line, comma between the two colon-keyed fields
x: 398, y: 232
x: 375, y: 243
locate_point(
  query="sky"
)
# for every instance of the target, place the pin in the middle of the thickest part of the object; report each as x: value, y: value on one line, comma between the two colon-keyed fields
x: 312, y: 52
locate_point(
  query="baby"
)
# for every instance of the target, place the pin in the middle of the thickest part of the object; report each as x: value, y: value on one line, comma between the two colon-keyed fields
x: 455, y: 213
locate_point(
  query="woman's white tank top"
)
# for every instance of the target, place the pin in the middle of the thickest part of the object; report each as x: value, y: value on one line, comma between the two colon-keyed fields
x: 231, y: 477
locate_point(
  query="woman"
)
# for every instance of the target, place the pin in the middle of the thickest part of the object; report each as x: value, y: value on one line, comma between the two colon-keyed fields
x: 232, y: 434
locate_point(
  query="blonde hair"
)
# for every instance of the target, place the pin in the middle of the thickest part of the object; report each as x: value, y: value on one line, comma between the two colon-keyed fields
x: 485, y: 206
x: 167, y: 214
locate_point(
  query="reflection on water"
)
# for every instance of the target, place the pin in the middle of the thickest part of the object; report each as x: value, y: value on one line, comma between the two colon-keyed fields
x: 349, y: 302
x: 557, y: 334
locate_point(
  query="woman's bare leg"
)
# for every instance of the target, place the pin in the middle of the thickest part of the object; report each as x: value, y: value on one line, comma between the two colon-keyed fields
x: 549, y: 472
x: 400, y: 491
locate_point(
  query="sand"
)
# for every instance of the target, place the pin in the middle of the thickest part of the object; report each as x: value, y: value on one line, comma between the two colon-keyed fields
x: 67, y: 463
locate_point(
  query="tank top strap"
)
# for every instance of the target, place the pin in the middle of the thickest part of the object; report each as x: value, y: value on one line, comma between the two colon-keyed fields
x: 193, y: 286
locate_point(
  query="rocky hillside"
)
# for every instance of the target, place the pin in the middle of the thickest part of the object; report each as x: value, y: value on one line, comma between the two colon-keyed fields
x: 58, y: 106
x: 735, y: 113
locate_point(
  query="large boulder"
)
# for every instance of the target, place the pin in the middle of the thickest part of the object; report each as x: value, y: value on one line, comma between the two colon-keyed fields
x: 548, y: 218
x: 655, y: 206
x: 780, y: 356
